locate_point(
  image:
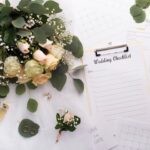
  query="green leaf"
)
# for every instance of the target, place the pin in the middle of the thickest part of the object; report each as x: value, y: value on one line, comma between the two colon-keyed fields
x: 5, y: 21
x: 20, y: 89
x: 24, y: 33
x: 39, y: 1
x: 143, y: 3
x: 79, y: 85
x: 9, y: 36
x: 46, y: 30
x: 53, y: 7
x: 28, y: 128
x: 138, y: 14
x: 31, y: 86
x: 4, y: 90
x: 39, y: 35
x: 5, y: 11
x: 58, y: 80
x: 75, y: 47
x: 78, y: 68
x: 24, y: 5
x: 32, y: 105
x: 7, y: 3
x: 19, y: 22
x: 62, y: 68
x: 37, y: 8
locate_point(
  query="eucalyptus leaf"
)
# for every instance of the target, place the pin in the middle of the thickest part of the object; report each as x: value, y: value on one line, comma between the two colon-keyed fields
x: 5, y: 11
x: 39, y: 1
x: 46, y: 30
x: 39, y: 35
x: 9, y: 36
x: 24, y: 33
x: 79, y: 85
x: 20, y: 89
x: 58, y: 80
x: 143, y: 3
x: 32, y: 105
x: 4, y: 90
x: 78, y: 68
x: 28, y: 128
x: 19, y: 22
x: 75, y: 47
x: 7, y: 3
x: 37, y: 8
x: 31, y: 86
x: 53, y: 7
x: 138, y: 14
x: 24, y: 5
x: 62, y: 68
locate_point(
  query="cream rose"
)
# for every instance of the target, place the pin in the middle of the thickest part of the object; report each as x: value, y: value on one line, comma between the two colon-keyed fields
x: 41, y: 79
x: 51, y: 62
x: 12, y: 67
x: 68, y: 117
x: 39, y: 56
x: 47, y: 45
x: 33, y: 68
x: 57, y: 51
x: 23, y: 46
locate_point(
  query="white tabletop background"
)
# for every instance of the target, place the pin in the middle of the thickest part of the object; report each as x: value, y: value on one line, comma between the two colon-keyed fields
x: 90, y: 34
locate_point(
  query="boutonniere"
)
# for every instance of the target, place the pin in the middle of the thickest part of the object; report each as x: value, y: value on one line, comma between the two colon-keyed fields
x: 66, y: 122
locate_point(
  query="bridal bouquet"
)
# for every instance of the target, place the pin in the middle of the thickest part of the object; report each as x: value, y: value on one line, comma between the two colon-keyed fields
x: 35, y: 46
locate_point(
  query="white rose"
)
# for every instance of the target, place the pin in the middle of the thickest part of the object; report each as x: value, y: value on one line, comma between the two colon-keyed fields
x: 39, y: 56
x: 47, y: 45
x: 51, y: 62
x: 57, y: 51
x: 23, y: 46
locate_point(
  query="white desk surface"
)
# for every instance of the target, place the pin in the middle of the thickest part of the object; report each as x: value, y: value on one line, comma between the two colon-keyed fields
x: 68, y: 98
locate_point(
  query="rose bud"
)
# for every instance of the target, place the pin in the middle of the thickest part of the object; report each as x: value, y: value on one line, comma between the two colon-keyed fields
x: 39, y: 56
x: 47, y: 45
x: 23, y: 46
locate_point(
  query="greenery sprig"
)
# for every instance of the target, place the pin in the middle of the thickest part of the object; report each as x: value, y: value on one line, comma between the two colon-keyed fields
x: 138, y: 10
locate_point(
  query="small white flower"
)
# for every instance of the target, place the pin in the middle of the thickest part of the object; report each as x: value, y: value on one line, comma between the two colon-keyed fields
x: 39, y: 56
x: 23, y: 46
x: 47, y: 45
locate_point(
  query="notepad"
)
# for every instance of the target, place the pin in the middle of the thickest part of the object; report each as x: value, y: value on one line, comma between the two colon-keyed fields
x: 117, y: 85
x: 133, y: 135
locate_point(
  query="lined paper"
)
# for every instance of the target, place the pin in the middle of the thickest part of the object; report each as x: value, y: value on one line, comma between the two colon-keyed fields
x: 133, y: 135
x: 117, y: 85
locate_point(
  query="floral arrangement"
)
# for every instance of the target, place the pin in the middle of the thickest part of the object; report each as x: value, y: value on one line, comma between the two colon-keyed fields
x: 35, y: 46
x: 138, y: 10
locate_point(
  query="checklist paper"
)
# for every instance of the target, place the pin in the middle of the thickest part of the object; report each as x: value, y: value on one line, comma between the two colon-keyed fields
x: 133, y: 135
x: 117, y: 85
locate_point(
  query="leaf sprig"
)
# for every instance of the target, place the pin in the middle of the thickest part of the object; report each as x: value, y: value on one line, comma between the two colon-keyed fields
x: 138, y: 10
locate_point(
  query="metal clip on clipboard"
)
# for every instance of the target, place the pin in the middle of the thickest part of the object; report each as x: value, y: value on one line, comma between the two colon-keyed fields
x: 112, y: 50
